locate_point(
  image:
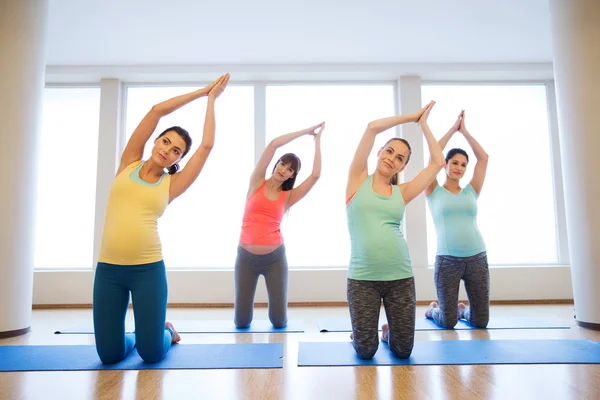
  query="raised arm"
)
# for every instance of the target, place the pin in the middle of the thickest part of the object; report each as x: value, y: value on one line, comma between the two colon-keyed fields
x: 443, y: 142
x: 298, y: 193
x: 182, y: 180
x: 358, y: 168
x: 413, y: 188
x: 480, y: 154
x: 260, y: 170
x: 135, y: 146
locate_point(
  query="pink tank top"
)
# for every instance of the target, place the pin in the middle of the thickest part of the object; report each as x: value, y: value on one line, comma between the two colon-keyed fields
x: 262, y: 218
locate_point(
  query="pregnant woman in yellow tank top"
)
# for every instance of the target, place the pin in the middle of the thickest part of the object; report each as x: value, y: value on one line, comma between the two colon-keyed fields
x: 131, y: 255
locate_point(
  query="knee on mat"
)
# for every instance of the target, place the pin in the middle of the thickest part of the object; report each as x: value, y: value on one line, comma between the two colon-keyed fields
x: 402, y: 353
x: 366, y: 353
x: 480, y: 323
x: 242, y: 323
x: 449, y: 322
x: 110, y: 358
x: 150, y: 356
x: 279, y: 323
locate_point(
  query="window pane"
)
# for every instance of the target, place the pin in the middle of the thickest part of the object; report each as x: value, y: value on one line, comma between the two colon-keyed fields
x: 201, y: 228
x: 67, y: 178
x: 516, y: 209
x: 315, y: 229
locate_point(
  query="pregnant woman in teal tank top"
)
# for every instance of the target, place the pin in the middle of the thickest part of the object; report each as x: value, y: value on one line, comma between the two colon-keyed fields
x: 461, y: 252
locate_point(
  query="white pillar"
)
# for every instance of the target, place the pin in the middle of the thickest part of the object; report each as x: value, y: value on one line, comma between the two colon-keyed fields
x: 109, y: 139
x: 409, y: 101
x: 576, y: 45
x: 23, y: 26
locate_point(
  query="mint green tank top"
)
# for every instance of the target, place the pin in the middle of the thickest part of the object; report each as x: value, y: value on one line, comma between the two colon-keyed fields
x: 378, y: 249
x: 455, y: 220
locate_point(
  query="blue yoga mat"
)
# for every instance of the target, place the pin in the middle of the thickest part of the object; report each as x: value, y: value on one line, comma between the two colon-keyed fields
x: 424, y: 324
x: 201, y: 326
x: 181, y: 356
x: 456, y: 352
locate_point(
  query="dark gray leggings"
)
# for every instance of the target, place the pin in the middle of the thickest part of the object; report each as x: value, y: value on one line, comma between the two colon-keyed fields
x: 448, y: 273
x: 399, y: 302
x: 248, y: 267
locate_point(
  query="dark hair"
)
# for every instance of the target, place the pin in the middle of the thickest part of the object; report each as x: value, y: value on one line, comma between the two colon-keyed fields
x: 394, y: 178
x: 452, y: 152
x: 295, y: 164
x: 185, y: 135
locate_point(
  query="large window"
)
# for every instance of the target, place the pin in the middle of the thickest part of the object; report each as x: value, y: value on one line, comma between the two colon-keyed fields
x: 315, y: 229
x: 516, y: 207
x: 201, y: 228
x: 64, y: 236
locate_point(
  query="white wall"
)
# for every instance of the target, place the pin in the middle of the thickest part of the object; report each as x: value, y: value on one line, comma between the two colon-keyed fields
x: 312, y: 286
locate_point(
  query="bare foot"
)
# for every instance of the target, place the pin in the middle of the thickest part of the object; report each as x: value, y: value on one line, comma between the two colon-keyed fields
x: 461, y: 310
x: 175, y: 338
x: 432, y: 305
x: 384, y: 332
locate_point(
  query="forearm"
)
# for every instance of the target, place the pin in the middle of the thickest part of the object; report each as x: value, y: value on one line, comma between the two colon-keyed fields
x: 436, y: 155
x: 285, y: 139
x: 383, y: 124
x: 443, y: 142
x: 480, y: 154
x: 208, y: 136
x: 168, y: 106
x: 316, y: 171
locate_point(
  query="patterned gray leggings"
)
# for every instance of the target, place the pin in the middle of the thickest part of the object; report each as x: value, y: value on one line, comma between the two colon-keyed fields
x: 449, y: 271
x: 399, y: 302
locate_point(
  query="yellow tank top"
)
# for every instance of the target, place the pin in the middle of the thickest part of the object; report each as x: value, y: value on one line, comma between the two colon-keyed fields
x: 130, y: 234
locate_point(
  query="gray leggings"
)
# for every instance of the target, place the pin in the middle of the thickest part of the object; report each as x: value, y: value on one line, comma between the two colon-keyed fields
x: 399, y: 302
x: 448, y: 273
x: 248, y: 267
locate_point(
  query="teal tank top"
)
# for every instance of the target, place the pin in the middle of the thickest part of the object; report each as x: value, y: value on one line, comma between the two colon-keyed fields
x: 455, y: 220
x: 378, y: 249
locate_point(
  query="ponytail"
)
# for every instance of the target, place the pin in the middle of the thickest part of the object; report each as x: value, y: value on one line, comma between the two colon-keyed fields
x: 173, y: 169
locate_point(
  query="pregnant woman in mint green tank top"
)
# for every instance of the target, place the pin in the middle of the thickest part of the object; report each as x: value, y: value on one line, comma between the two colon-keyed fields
x: 461, y: 252
x: 380, y: 267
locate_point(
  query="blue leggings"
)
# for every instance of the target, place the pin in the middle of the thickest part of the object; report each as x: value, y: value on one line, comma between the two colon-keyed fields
x: 148, y: 286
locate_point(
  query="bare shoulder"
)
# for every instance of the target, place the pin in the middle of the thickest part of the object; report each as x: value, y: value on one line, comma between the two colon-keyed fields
x: 355, y: 182
x: 253, y: 187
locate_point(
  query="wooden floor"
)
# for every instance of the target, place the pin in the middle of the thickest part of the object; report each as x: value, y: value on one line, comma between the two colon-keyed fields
x: 293, y: 382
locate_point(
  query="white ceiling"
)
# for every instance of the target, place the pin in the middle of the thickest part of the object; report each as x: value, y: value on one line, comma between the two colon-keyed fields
x: 202, y: 32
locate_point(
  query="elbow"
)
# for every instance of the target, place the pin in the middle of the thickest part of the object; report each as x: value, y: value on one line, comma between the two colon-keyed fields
x: 439, y: 161
x: 371, y: 128
x: 483, y: 157
x: 207, y: 146
x: 156, y: 110
x: 315, y: 176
